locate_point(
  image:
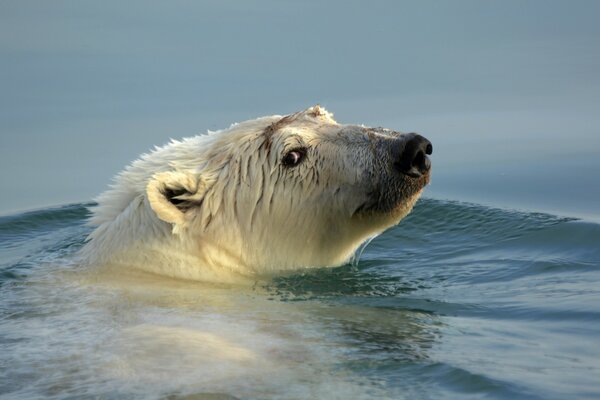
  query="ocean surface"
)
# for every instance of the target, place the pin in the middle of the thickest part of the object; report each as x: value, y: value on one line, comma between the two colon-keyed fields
x: 459, y: 301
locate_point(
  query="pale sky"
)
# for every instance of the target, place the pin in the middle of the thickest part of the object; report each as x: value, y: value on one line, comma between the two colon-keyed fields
x: 88, y: 86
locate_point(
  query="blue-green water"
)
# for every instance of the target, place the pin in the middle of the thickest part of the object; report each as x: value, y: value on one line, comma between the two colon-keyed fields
x: 459, y: 301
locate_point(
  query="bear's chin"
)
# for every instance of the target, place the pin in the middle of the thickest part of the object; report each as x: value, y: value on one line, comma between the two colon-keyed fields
x: 403, y: 208
x: 373, y: 222
x: 395, y: 201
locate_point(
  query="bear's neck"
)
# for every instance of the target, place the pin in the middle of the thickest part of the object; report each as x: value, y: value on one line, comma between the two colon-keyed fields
x: 137, y: 238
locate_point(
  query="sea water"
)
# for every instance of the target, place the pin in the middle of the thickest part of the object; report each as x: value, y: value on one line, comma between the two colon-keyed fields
x: 458, y: 301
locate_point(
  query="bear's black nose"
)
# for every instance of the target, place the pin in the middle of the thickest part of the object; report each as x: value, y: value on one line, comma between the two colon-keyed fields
x: 413, y: 160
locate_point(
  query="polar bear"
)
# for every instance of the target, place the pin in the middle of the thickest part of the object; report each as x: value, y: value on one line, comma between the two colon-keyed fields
x: 265, y: 196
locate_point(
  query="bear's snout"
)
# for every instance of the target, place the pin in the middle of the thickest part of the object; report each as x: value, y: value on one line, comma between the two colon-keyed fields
x: 412, y: 160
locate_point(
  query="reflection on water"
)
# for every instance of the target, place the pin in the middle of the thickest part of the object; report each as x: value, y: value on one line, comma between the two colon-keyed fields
x: 114, y: 334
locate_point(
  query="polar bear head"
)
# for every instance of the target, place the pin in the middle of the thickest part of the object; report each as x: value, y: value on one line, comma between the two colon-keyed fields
x: 273, y: 194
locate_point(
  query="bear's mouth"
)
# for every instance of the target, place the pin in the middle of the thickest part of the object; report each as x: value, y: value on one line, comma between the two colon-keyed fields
x: 389, y: 196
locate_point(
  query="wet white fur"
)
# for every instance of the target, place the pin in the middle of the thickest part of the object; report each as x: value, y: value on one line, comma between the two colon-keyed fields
x: 250, y: 216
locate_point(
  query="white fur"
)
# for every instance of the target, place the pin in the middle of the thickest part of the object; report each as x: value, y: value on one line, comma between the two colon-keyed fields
x: 247, y: 214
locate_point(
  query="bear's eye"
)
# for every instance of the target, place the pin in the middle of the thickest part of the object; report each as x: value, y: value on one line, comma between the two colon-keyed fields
x: 293, y: 157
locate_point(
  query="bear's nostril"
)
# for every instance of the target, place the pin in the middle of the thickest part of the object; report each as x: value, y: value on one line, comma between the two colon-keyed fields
x: 429, y: 149
x: 413, y: 160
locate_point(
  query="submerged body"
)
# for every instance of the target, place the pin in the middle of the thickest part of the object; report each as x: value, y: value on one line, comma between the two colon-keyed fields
x: 264, y: 196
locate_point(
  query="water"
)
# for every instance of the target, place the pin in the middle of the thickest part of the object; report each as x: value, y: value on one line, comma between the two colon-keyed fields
x: 459, y: 301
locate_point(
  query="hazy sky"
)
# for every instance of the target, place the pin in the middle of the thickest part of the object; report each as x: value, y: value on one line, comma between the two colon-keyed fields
x: 87, y: 86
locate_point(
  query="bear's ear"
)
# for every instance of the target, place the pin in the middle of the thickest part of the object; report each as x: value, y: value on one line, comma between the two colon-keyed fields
x: 171, y: 194
x: 319, y: 112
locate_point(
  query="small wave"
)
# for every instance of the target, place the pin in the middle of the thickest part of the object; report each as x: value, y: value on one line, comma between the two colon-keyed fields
x: 23, y: 225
